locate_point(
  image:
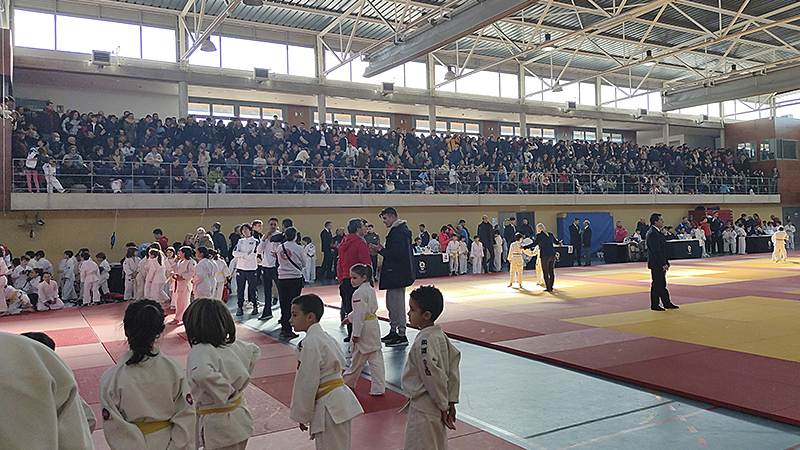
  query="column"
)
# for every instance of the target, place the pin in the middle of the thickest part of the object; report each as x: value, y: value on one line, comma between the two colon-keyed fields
x: 665, y: 133
x: 598, y: 99
x: 523, y: 124
x: 599, y: 130
x: 319, y: 54
x: 183, y: 99
x: 432, y: 116
x: 321, y: 108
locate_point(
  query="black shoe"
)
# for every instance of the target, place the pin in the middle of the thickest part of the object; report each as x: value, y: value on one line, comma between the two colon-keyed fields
x: 265, y: 315
x: 274, y: 301
x: 288, y: 335
x: 347, y: 339
x: 255, y: 311
x: 397, y: 341
x: 657, y: 308
x: 389, y: 337
x: 239, y: 312
x: 671, y: 306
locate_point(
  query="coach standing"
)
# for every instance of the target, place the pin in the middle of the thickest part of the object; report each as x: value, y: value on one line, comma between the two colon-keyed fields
x: 397, y: 273
x: 658, y: 264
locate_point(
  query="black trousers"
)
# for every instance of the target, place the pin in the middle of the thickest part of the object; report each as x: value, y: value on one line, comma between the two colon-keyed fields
x: 549, y: 269
x: 270, y: 275
x: 658, y: 289
x: 251, y: 278
x: 287, y: 291
x: 327, y: 265
x: 588, y: 251
x: 717, y: 244
x: 346, y: 291
x: 488, y: 263
x: 578, y: 252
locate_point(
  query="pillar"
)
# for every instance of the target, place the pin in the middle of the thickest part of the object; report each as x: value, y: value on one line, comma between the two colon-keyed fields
x: 183, y: 99
x: 523, y: 124
x: 599, y: 130
x: 665, y: 133
x: 322, y: 110
x: 598, y: 99
x: 432, y: 116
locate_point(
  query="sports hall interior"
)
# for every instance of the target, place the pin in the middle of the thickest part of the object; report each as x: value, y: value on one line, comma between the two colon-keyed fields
x: 588, y: 366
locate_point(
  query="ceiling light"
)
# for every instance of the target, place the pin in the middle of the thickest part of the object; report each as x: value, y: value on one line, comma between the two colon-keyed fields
x: 450, y: 75
x: 547, y: 47
x: 208, y: 46
x: 558, y: 88
x: 253, y: 2
x: 648, y: 59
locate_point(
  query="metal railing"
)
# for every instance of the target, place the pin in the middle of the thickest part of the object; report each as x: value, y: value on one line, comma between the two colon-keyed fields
x: 289, y: 179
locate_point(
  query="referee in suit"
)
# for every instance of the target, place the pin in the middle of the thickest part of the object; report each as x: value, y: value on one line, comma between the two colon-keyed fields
x: 658, y: 264
x: 547, y: 253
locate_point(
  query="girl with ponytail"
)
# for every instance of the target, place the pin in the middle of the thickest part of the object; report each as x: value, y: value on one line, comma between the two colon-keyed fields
x: 365, y: 344
x: 145, y: 397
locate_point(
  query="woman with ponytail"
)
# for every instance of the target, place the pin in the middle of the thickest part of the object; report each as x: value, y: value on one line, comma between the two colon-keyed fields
x: 145, y: 397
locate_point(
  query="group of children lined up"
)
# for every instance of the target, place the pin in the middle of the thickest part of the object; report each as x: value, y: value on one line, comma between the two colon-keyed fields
x: 148, y: 401
x: 27, y: 282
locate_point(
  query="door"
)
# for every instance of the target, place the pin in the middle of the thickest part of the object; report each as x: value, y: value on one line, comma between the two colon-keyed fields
x: 792, y: 213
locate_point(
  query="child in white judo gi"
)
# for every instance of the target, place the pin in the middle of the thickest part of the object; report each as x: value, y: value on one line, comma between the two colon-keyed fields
x: 476, y: 255
x: 498, y: 250
x: 90, y: 277
x: 66, y: 270
x: 779, y: 244
x: 49, y: 169
x: 365, y: 343
x: 91, y: 420
x: 203, y: 282
x: 40, y: 399
x: 431, y: 376
x: 182, y: 274
x: 221, y: 276
x: 48, y: 294
x: 13, y: 301
x: 452, y: 251
x: 156, y: 276
x: 321, y: 402
x: 218, y: 370
x: 129, y: 266
x: 741, y: 239
x: 141, y: 275
x: 309, y: 271
x: 463, y: 255
x: 145, y: 397
x: 729, y: 239
x: 516, y: 260
x: 700, y: 235
x: 105, y: 272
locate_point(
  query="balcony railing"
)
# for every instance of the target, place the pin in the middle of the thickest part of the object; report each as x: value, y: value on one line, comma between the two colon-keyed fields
x: 289, y: 179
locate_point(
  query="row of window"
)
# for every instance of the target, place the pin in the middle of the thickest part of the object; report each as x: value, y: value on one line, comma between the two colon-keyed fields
x: 771, y: 149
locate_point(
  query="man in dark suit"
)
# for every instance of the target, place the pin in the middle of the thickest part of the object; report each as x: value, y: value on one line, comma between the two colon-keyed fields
x: 658, y: 264
x: 545, y: 241
x: 717, y: 226
x: 486, y: 235
x: 397, y: 273
x: 510, y: 230
x: 587, y: 242
x: 325, y: 239
x: 575, y: 238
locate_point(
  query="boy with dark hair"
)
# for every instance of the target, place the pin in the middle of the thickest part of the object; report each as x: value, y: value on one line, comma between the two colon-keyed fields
x: 321, y: 403
x: 431, y: 375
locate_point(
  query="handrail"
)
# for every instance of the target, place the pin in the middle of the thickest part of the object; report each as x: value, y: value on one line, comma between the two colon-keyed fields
x: 134, y: 177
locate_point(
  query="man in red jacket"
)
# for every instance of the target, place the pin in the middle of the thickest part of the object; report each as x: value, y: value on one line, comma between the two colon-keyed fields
x: 353, y: 250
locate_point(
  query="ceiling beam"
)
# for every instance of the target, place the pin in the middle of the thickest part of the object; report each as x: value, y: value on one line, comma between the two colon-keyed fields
x: 462, y: 22
x: 198, y: 41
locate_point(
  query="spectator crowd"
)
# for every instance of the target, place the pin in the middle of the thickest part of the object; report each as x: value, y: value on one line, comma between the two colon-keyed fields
x: 106, y: 153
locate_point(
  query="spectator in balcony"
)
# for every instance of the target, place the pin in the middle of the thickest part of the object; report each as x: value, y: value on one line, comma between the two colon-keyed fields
x: 47, y: 122
x: 73, y: 156
x: 71, y: 125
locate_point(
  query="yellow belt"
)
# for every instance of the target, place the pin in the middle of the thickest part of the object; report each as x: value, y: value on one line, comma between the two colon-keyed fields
x: 328, y: 386
x: 371, y: 317
x: 152, y: 427
x: 224, y: 409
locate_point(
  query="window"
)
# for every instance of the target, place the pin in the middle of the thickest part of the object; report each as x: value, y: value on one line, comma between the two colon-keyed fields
x: 268, y: 113
x: 208, y: 59
x: 654, y: 101
x: 788, y: 149
x: 587, y: 91
x: 301, y: 61
x: 422, y: 125
x: 584, y: 135
x: 340, y: 74
x: 199, y: 109
x: 457, y: 127
x: 382, y: 122
x: 343, y: 119
x: 509, y: 85
x: 363, y: 120
x: 34, y: 30
x: 223, y: 110
x: 441, y: 126
x: 158, y: 44
x: 536, y: 132
x: 533, y: 84
x: 766, y: 152
x: 473, y: 128
x: 79, y: 35
x: 480, y: 83
x: 506, y: 130
x: 328, y: 117
x: 591, y: 136
x: 613, y: 137
x: 249, y: 112
x: 439, y: 72
x: 245, y: 54
x: 748, y: 148
x: 415, y: 75
x: 548, y: 133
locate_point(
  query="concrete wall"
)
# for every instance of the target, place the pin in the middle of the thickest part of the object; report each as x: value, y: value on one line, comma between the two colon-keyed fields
x: 92, y: 229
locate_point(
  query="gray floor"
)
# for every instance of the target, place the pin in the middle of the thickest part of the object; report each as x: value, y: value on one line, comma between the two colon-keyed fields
x: 539, y: 406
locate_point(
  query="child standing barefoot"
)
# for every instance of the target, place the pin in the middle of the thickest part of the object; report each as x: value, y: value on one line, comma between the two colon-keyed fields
x: 182, y: 274
x: 218, y: 369
x: 431, y: 376
x: 145, y: 398
x: 365, y: 344
x: 320, y: 397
